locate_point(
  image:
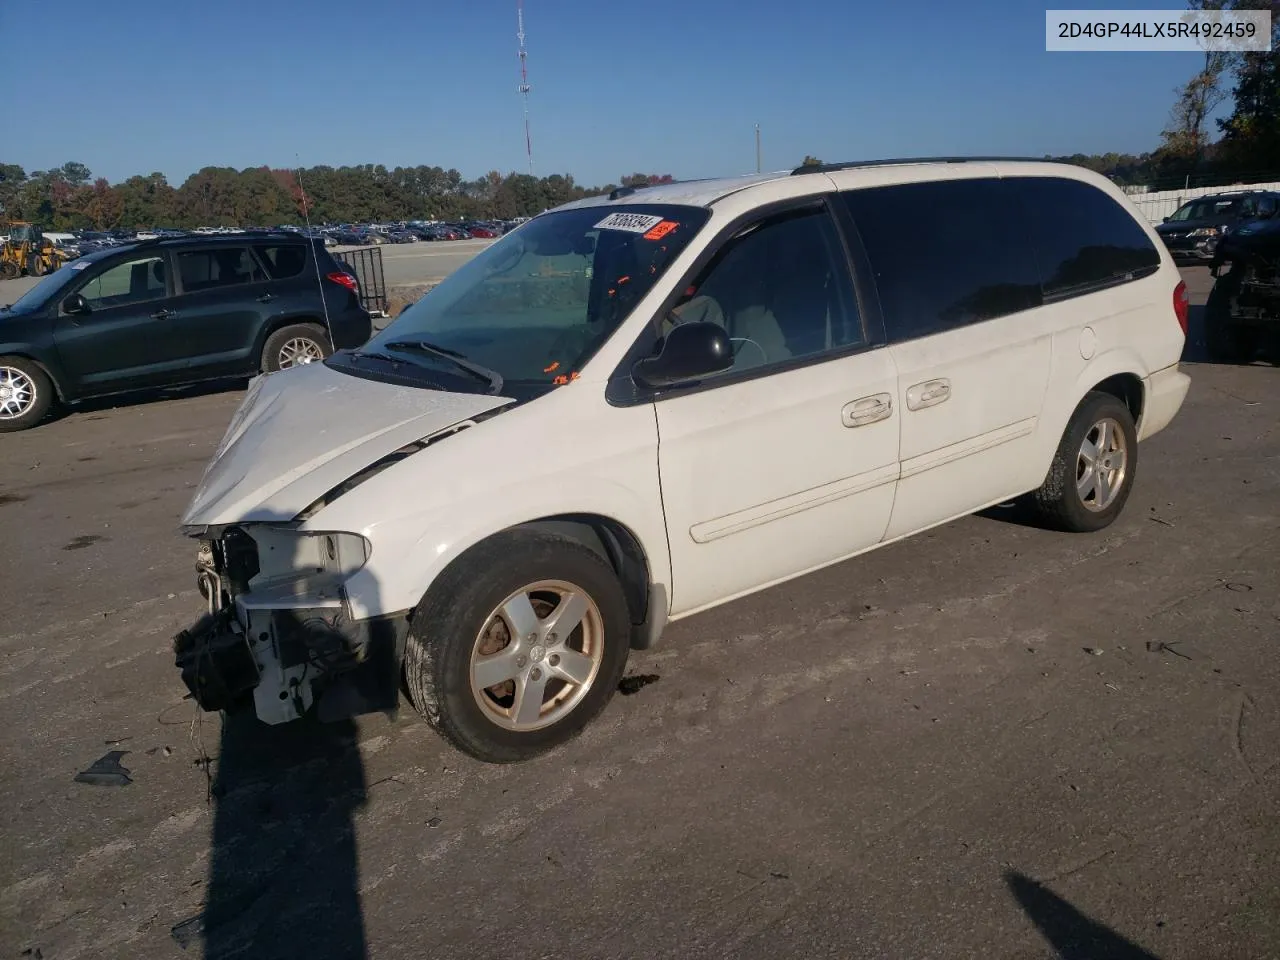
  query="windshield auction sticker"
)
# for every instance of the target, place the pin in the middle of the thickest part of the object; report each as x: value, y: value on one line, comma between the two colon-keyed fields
x: 630, y: 222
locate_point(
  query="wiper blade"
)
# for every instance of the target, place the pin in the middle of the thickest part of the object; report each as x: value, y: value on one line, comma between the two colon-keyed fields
x: 492, y: 377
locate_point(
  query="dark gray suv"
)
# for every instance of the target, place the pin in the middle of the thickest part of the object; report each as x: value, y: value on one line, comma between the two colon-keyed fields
x: 173, y: 311
x: 1196, y: 228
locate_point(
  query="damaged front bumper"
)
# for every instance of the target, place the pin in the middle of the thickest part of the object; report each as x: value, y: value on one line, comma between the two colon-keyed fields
x: 278, y: 630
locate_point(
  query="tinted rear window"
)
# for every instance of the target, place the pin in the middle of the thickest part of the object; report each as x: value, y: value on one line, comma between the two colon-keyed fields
x: 217, y: 267
x: 283, y: 260
x: 1084, y: 239
x: 945, y: 253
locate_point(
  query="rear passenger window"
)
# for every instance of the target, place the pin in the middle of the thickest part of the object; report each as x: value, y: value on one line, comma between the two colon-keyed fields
x: 217, y: 268
x: 945, y: 253
x: 1083, y: 238
x: 283, y: 260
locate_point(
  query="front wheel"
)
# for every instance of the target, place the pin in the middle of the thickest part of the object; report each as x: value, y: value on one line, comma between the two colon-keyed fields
x: 1093, y: 469
x: 518, y: 646
x: 26, y: 394
x: 293, y: 346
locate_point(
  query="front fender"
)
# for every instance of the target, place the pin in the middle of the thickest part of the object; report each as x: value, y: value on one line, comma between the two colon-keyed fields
x: 523, y: 465
x: 46, y: 358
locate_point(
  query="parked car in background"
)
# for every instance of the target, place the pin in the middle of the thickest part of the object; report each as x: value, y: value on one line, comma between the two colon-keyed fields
x: 402, y: 236
x: 161, y: 313
x: 1195, y: 229
x: 482, y: 231
x: 349, y: 237
x: 762, y: 376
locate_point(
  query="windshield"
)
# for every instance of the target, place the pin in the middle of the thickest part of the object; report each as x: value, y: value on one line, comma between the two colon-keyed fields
x: 537, y: 304
x: 48, y: 288
x: 1203, y: 209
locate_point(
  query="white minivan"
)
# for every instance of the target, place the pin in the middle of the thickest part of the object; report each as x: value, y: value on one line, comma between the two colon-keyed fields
x: 642, y: 405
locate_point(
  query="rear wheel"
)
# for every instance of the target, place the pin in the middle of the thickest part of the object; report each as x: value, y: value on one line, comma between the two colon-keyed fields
x: 519, y: 645
x: 293, y: 346
x: 35, y: 266
x: 1093, y: 469
x: 26, y: 394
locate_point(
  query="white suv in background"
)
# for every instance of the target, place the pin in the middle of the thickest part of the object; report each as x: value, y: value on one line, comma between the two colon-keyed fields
x: 637, y: 407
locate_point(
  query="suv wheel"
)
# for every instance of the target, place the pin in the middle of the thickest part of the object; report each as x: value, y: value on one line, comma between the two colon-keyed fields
x: 1093, y: 468
x: 294, y: 346
x: 520, y: 644
x: 26, y: 394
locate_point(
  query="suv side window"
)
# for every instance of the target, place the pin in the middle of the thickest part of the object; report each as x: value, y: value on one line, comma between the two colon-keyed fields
x: 945, y: 253
x: 1083, y: 238
x: 781, y: 289
x: 138, y: 280
x: 283, y: 260
x: 1267, y: 207
x: 216, y: 268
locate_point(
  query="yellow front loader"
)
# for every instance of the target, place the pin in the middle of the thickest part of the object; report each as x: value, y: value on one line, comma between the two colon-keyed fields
x: 27, y: 252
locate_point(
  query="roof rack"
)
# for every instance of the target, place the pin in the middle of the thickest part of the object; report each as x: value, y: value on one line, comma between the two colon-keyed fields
x: 619, y: 192
x: 853, y: 164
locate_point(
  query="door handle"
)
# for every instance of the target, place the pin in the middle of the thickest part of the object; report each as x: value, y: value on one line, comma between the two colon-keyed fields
x: 266, y: 298
x: 164, y: 314
x: 867, y: 410
x: 928, y: 394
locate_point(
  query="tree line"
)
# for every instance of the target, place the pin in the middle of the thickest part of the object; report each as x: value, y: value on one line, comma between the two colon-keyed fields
x: 71, y: 198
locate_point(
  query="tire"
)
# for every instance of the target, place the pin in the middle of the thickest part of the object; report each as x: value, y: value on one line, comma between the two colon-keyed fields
x: 9, y: 270
x: 448, y: 631
x: 26, y: 394
x: 308, y: 339
x: 1061, y: 502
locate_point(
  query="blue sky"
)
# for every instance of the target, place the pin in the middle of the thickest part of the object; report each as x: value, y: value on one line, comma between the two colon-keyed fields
x: 665, y: 86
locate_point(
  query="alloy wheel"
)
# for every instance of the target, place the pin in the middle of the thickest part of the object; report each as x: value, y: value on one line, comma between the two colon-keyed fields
x: 17, y: 393
x: 1102, y: 465
x: 298, y: 351
x: 537, y: 655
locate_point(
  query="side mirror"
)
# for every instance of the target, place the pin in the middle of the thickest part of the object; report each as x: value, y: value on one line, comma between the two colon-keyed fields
x: 75, y: 304
x: 1167, y: 219
x: 690, y: 352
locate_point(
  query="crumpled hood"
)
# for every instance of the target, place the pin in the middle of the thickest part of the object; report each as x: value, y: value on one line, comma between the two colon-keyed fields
x: 300, y: 432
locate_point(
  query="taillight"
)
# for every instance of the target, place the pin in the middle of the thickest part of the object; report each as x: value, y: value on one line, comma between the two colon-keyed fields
x: 346, y: 280
x: 1181, y: 305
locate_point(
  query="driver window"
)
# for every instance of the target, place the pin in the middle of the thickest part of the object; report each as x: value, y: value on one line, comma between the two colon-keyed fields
x: 133, y: 281
x: 781, y: 290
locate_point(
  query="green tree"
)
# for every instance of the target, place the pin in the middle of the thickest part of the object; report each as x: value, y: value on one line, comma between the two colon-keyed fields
x: 1251, y: 135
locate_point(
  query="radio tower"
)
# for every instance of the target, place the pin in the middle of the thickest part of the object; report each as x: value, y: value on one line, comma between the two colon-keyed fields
x: 524, y: 82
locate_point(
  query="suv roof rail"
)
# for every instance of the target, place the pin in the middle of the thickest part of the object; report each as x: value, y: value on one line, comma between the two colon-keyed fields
x: 853, y: 164
x: 226, y: 237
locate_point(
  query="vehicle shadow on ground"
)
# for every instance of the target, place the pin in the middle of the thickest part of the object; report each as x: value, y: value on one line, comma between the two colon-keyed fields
x: 283, y: 869
x: 1072, y: 934
x: 142, y: 398
x: 1194, y: 351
